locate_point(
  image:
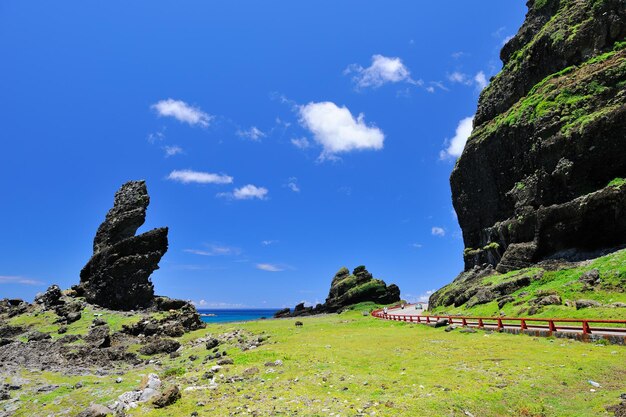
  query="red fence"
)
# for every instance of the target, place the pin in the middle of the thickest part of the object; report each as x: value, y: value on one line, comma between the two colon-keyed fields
x: 552, y: 325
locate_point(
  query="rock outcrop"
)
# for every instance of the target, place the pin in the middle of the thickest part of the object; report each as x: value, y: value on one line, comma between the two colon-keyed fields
x: 348, y: 289
x: 542, y: 173
x: 542, y: 176
x: 118, y: 274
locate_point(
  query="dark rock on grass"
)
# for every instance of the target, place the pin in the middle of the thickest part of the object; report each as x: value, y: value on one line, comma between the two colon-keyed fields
x: 118, y: 274
x: 505, y: 300
x: 167, y: 397
x: 99, y: 337
x: 449, y: 328
x: 69, y: 338
x: 580, y: 304
x: 591, y: 277
x: 175, y: 324
x: 467, y: 330
x: 72, y: 317
x: 157, y: 345
x: 51, y: 298
x: 98, y: 322
x: 167, y: 304
x: 10, y: 331
x: 225, y: 361
x: 62, y: 330
x: 441, y: 323
x: 547, y: 300
x: 251, y: 371
x: 285, y: 312
x: 36, y: 336
x: 212, y: 343
x: 95, y: 410
x: 299, y: 324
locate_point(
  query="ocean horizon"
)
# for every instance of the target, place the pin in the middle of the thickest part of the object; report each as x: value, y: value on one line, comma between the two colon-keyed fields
x: 228, y: 315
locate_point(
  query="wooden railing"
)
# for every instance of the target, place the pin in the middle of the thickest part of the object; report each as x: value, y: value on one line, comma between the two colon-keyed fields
x: 523, y: 323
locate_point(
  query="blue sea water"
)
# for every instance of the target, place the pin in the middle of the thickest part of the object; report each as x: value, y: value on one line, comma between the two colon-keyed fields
x: 226, y: 316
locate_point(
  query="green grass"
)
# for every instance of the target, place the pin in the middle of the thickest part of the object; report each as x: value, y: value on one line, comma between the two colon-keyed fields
x: 563, y: 282
x: 352, y: 365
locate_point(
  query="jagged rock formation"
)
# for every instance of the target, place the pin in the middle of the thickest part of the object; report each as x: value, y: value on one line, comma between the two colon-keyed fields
x: 118, y: 274
x: 347, y: 289
x: 541, y: 174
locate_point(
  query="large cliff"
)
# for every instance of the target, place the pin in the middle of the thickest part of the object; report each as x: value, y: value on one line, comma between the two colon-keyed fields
x: 542, y: 175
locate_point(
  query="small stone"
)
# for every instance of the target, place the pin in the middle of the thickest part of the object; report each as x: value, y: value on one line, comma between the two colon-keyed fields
x: 118, y: 380
x: 167, y: 397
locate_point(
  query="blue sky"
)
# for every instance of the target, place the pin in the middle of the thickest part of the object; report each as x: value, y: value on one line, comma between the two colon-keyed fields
x: 279, y: 140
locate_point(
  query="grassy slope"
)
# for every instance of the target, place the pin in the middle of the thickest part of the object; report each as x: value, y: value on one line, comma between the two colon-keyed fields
x: 563, y: 282
x: 340, y: 364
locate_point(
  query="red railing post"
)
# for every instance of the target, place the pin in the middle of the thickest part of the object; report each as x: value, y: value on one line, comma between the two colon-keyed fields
x: 419, y: 320
x: 500, y: 326
x: 464, y: 322
x: 427, y: 319
x: 586, y: 328
x: 480, y: 323
x: 450, y: 320
x: 552, y: 326
x: 523, y: 325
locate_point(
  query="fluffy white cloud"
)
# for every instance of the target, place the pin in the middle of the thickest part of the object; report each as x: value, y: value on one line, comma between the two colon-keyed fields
x: 182, y: 112
x: 253, y: 133
x: 12, y: 279
x: 337, y: 130
x: 302, y: 143
x: 172, y: 150
x: 247, y: 192
x: 188, y: 176
x: 457, y: 143
x: 382, y: 70
x: 481, y: 80
x: 438, y: 231
x: 269, y: 267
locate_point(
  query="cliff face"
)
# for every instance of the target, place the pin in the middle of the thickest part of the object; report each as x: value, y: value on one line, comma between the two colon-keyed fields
x: 542, y: 174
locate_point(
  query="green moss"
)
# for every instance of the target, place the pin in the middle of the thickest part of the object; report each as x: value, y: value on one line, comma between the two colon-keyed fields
x: 492, y: 245
x: 617, y: 182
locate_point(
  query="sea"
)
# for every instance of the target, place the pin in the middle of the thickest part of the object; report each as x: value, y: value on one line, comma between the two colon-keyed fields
x: 232, y: 315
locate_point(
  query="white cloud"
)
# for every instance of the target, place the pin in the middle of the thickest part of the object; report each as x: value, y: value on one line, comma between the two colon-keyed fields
x: 293, y: 185
x: 172, y: 150
x: 421, y: 298
x: 253, y: 133
x: 247, y: 192
x: 217, y: 304
x: 417, y: 245
x: 438, y: 231
x: 459, y: 77
x: 12, y: 279
x: 457, y: 143
x: 156, y: 136
x: 383, y: 70
x: 481, y: 80
x: 187, y: 176
x: 182, y: 112
x: 302, y: 143
x: 430, y: 89
x: 215, y: 250
x: 269, y: 267
x: 268, y: 242
x: 337, y: 130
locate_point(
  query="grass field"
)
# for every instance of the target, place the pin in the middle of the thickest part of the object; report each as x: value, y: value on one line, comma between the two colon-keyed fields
x: 353, y: 365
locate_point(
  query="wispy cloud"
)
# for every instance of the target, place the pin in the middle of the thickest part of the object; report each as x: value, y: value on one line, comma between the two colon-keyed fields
x: 421, y: 298
x: 455, y: 146
x: 217, y: 304
x: 12, y: 279
x: 270, y: 267
x: 417, y: 245
x: 292, y: 184
x: 247, y: 192
x: 215, y: 250
x: 337, y: 131
x: 438, y: 231
x: 268, y: 242
x: 172, y: 150
x: 253, y: 133
x: 383, y: 70
x: 182, y: 112
x: 187, y: 176
x: 301, y: 143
